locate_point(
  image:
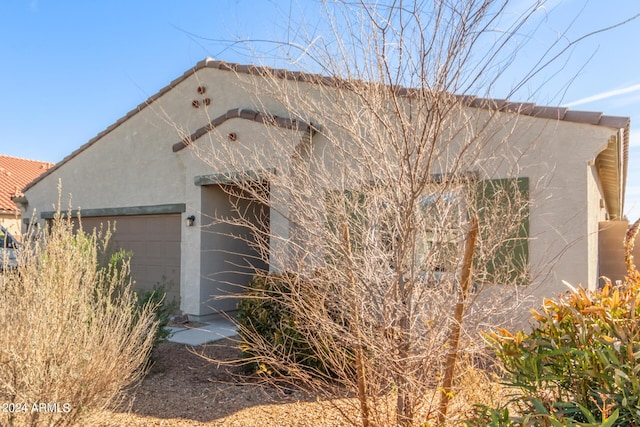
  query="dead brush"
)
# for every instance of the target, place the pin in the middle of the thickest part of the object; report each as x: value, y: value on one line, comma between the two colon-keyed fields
x: 70, y: 339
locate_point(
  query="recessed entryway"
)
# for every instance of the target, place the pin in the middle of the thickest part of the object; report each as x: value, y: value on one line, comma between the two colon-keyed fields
x: 229, y: 255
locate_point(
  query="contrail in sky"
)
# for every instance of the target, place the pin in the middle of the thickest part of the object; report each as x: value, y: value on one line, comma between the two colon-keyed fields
x: 604, y: 95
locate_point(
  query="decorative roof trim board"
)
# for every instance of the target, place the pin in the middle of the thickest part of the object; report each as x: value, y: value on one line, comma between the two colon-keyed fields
x: 245, y: 114
x: 171, y: 208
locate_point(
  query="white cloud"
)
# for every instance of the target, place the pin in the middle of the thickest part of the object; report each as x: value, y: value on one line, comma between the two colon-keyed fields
x: 604, y: 95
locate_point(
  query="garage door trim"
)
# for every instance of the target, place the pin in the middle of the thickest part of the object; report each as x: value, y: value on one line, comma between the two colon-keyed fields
x: 123, y: 211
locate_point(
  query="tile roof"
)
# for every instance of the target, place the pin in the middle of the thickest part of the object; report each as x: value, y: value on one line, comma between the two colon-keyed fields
x: 530, y: 109
x: 15, y: 173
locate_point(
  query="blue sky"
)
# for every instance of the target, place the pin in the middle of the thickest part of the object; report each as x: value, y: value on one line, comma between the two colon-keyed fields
x: 73, y: 68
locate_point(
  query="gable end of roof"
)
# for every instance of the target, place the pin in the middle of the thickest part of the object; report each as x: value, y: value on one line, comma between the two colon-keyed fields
x: 530, y: 109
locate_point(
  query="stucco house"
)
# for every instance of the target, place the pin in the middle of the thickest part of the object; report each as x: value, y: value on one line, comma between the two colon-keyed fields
x: 142, y: 173
x: 15, y: 173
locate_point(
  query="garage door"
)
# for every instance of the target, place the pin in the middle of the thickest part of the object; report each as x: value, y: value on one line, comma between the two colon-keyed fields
x: 155, y: 243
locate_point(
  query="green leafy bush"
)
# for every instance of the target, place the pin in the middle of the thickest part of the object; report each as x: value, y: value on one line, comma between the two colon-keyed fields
x: 535, y: 414
x: 116, y: 262
x: 265, y: 320
x: 580, y: 363
x: 163, y: 311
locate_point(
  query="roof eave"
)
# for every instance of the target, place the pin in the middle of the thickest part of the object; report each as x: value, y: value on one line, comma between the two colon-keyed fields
x: 543, y: 112
x: 611, y: 165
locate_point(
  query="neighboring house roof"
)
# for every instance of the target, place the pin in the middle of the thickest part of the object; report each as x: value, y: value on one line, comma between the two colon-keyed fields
x: 15, y: 173
x: 616, y: 185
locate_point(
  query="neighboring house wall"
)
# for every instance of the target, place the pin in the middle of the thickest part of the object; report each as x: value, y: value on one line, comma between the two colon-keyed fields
x: 612, y: 263
x: 12, y: 222
x: 132, y: 165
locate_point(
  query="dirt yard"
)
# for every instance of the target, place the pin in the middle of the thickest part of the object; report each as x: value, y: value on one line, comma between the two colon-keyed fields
x: 183, y: 389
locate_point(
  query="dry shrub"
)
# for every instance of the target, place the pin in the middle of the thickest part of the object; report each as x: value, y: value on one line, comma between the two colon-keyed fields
x: 476, y: 384
x: 71, y: 337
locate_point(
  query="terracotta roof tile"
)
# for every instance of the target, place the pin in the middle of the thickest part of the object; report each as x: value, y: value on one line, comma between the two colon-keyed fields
x: 553, y: 113
x: 15, y: 174
x: 591, y: 117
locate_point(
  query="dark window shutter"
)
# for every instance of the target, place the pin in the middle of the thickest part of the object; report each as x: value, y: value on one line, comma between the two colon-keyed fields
x: 502, y: 207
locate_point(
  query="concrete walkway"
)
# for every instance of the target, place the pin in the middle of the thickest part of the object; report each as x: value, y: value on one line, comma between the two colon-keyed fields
x: 209, y: 332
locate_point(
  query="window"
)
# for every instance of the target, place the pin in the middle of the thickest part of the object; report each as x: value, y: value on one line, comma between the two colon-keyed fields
x: 375, y: 227
x: 502, y: 208
x: 441, y: 218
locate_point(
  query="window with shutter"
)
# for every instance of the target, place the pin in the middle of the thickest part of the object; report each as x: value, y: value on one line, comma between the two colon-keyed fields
x: 502, y: 208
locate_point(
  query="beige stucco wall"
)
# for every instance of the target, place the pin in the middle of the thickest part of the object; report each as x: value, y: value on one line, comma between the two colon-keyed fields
x: 565, y: 200
x: 134, y: 165
x: 565, y: 209
x: 596, y: 215
x: 612, y: 262
x: 13, y: 223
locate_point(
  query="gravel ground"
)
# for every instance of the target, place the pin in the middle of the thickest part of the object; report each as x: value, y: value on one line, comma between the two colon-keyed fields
x: 183, y: 389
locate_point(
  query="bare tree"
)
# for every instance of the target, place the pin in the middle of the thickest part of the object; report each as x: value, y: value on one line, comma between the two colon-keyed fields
x: 371, y: 170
